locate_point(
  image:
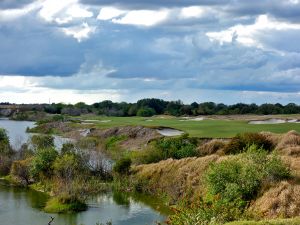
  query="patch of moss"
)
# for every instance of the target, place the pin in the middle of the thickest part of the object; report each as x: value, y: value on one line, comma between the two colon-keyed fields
x: 64, y: 205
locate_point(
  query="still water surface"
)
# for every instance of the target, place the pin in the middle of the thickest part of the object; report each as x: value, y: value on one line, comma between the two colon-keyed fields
x: 19, y: 206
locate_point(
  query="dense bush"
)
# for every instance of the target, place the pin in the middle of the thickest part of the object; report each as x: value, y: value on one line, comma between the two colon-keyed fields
x: 69, y: 166
x: 42, y: 163
x: 21, y: 170
x: 231, y: 184
x: 241, y: 141
x: 42, y: 141
x: 6, y: 153
x: 177, y: 148
x: 241, y: 177
x: 122, y: 166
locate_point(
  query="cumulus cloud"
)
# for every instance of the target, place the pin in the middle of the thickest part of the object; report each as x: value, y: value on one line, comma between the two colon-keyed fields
x: 140, y: 48
x: 80, y: 32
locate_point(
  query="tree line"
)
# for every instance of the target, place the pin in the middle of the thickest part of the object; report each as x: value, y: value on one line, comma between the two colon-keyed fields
x: 153, y: 106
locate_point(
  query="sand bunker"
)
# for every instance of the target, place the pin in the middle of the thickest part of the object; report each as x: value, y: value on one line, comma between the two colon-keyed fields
x: 293, y: 121
x: 270, y: 121
x: 104, y: 121
x: 191, y: 119
x: 169, y: 132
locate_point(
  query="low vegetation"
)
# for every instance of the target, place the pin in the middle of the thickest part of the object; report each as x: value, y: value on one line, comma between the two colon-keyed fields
x: 67, y: 176
x: 207, y: 181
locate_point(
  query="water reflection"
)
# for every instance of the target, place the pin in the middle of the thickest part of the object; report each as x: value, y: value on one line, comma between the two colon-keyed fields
x: 21, y: 206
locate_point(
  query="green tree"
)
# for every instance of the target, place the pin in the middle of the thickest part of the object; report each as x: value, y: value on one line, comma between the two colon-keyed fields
x: 145, y: 112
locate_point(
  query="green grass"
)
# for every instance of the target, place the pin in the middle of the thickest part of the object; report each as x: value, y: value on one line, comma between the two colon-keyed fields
x: 206, y: 128
x: 293, y: 221
x: 60, y: 205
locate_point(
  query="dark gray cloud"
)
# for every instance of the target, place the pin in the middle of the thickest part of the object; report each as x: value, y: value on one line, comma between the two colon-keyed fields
x: 13, y: 4
x: 283, y: 9
x: 138, y: 4
x: 173, y: 55
x: 38, y: 50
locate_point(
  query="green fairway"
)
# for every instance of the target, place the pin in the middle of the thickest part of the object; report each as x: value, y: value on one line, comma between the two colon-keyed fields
x: 205, y: 128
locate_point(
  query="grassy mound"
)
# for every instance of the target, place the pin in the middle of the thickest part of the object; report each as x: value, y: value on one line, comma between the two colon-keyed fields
x: 294, y: 221
x: 64, y: 204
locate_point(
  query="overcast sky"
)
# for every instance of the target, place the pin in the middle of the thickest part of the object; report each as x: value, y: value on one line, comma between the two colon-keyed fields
x: 195, y: 50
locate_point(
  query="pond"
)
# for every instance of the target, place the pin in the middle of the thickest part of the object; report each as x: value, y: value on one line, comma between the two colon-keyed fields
x: 19, y: 206
x: 16, y: 131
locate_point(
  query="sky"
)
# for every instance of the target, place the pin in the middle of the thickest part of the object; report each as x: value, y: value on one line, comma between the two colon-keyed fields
x: 225, y: 51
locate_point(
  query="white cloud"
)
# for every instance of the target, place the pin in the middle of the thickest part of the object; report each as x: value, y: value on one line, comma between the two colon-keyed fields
x: 77, y: 11
x: 12, y: 14
x: 50, y: 8
x: 15, y: 82
x: 143, y: 17
x: 44, y: 95
x: 192, y: 12
x: 80, y: 32
x: 63, y: 11
x: 108, y: 13
x: 246, y: 34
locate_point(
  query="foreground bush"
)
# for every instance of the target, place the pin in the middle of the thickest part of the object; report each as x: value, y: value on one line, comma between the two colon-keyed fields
x: 242, y: 176
x: 231, y: 184
x: 212, y: 213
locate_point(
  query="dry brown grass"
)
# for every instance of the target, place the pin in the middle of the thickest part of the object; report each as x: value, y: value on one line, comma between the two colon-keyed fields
x: 280, y: 201
x: 176, y: 178
x: 210, y: 147
x: 285, y: 144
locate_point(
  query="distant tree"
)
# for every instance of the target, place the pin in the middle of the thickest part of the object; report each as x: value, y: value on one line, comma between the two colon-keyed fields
x: 158, y: 105
x: 145, y: 112
x: 173, y: 108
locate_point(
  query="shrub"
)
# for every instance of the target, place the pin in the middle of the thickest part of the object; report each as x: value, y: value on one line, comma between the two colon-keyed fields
x: 42, y: 163
x: 112, y: 141
x: 3, y: 136
x: 21, y: 170
x: 240, y: 142
x: 42, y: 141
x: 68, y: 166
x: 122, y: 166
x: 242, y: 176
x: 233, y: 179
x: 230, y: 185
x: 68, y: 148
x: 177, y: 148
x: 5, y: 164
